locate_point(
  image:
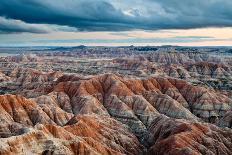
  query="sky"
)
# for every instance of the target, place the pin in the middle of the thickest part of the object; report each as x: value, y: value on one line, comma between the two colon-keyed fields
x: 115, y: 22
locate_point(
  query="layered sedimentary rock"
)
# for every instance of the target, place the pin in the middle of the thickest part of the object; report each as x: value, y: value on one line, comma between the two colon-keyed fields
x: 4, y: 78
x: 116, y: 100
x: 48, y: 127
x: 89, y: 135
x: 226, y: 120
x: 26, y: 76
x: 113, y: 114
x: 17, y: 112
x: 153, y: 95
x: 176, y: 137
x: 29, y: 82
x: 175, y: 57
x: 208, y: 67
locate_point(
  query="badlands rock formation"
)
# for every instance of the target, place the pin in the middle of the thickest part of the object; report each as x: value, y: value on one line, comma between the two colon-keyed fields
x: 176, y: 137
x: 116, y: 100
x: 48, y: 127
x: 181, y: 57
x: 112, y: 114
x: 226, y: 120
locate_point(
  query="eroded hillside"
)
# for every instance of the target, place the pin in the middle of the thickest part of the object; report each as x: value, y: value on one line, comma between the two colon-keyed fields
x: 156, y: 102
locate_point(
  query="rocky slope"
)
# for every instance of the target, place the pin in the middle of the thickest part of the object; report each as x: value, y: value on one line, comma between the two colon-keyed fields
x: 176, y: 137
x: 113, y: 114
x: 226, y: 120
x: 124, y: 100
x: 49, y: 127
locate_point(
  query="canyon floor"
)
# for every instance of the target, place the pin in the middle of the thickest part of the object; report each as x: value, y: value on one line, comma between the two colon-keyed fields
x: 166, y: 100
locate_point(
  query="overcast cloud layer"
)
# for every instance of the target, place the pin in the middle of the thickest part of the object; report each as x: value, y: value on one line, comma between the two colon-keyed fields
x: 17, y: 26
x: 112, y: 15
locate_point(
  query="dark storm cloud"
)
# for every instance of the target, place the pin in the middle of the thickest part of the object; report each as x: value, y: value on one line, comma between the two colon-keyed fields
x: 199, y: 13
x: 17, y: 26
x: 120, y: 15
x: 90, y: 15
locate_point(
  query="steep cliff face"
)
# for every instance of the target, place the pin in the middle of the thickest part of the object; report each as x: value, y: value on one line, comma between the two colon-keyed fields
x: 112, y: 114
